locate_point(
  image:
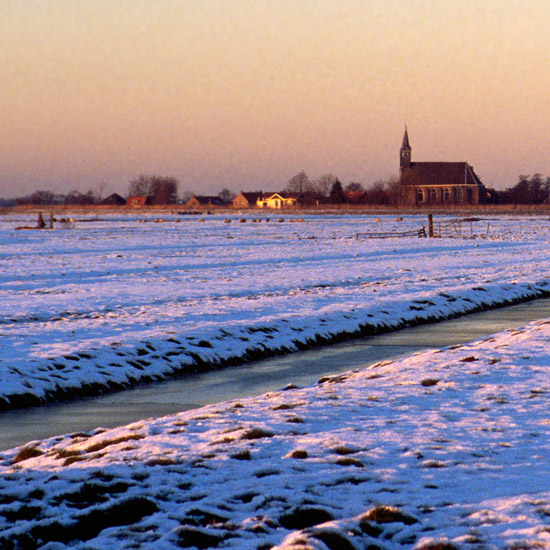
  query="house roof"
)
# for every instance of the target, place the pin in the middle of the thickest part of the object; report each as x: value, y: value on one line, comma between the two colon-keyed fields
x: 441, y: 173
x: 251, y: 197
x: 281, y: 194
x: 208, y: 200
x: 114, y: 198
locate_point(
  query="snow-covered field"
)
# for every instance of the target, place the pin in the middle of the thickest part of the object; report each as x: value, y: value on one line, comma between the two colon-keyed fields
x: 116, y: 301
x: 445, y: 449
x: 456, y: 442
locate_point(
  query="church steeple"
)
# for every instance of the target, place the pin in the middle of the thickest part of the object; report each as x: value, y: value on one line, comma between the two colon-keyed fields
x: 405, y: 152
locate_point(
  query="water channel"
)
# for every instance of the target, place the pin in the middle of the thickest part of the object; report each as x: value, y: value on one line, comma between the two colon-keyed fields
x: 193, y: 391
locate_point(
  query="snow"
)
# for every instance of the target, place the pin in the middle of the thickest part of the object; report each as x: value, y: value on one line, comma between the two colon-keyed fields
x: 445, y: 446
x: 115, y: 301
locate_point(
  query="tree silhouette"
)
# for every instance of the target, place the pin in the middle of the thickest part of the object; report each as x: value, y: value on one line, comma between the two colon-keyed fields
x: 336, y: 195
x: 159, y: 189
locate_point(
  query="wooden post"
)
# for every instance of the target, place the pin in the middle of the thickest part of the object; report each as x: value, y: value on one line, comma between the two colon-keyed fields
x: 430, y: 226
x: 51, y: 220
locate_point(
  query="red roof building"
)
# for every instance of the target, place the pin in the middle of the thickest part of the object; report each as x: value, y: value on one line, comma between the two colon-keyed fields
x: 137, y: 201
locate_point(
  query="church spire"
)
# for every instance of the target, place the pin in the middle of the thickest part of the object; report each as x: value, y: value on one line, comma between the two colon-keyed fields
x: 405, y: 152
x: 405, y: 144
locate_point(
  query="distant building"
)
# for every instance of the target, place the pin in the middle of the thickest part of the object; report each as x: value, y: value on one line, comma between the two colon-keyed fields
x: 115, y: 200
x: 197, y: 201
x: 355, y: 197
x: 282, y: 199
x: 137, y: 201
x: 437, y: 183
x: 247, y: 200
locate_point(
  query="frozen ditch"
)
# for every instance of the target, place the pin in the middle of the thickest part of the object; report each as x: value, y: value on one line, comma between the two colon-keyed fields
x: 302, y: 368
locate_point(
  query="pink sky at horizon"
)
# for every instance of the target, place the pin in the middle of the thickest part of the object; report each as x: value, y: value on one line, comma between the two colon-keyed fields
x: 246, y: 93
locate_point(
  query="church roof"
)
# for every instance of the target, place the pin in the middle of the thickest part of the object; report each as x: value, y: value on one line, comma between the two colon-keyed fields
x: 441, y: 173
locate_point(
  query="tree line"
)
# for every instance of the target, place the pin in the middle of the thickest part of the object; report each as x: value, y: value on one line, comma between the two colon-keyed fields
x: 327, y: 189
x: 158, y: 189
x: 533, y: 189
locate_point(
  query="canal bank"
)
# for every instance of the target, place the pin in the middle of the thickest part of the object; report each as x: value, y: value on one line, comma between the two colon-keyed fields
x: 17, y: 427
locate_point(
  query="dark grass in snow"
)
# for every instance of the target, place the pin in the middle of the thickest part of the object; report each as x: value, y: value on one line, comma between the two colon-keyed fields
x: 380, y: 460
x: 114, y: 368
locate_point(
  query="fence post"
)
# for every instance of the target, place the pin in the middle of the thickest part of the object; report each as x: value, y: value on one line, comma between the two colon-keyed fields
x: 430, y: 226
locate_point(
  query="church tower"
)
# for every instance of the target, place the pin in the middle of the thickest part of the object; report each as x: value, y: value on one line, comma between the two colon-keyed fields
x: 405, y: 153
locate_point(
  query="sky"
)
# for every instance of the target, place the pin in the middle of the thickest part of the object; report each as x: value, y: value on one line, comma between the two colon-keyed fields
x: 245, y: 94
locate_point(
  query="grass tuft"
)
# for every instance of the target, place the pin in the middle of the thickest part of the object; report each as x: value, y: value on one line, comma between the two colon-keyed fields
x: 304, y: 517
x: 256, y: 433
x: 108, y: 442
x: 295, y: 420
x: 26, y: 453
x: 162, y: 461
x: 298, y: 453
x: 442, y: 545
x: 349, y: 461
x: 387, y: 514
x: 242, y: 455
x: 344, y: 450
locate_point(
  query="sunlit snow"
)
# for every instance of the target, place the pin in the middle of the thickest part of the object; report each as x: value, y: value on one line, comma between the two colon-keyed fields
x: 445, y: 447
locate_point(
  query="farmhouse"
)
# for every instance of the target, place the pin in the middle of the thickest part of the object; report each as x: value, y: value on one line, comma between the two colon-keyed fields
x: 114, y: 199
x: 437, y: 183
x: 247, y: 200
x: 278, y: 200
x: 196, y: 201
x: 137, y: 201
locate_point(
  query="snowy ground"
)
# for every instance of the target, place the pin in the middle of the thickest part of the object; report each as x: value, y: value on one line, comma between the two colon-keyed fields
x: 444, y: 449
x: 443, y: 446
x: 115, y: 301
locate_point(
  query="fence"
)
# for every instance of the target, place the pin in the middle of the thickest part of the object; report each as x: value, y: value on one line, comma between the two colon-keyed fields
x: 464, y: 228
x: 388, y: 234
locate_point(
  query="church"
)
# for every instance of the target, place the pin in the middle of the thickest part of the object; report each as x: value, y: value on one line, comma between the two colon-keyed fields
x: 437, y: 183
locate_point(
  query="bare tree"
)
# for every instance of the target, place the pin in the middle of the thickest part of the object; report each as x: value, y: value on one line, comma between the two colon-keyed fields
x: 164, y: 190
x: 160, y: 189
x: 76, y: 197
x: 375, y: 193
x: 100, y: 190
x: 38, y: 197
x: 393, y: 190
x: 140, y: 185
x: 323, y: 185
x: 354, y: 187
x: 226, y: 195
x: 298, y: 183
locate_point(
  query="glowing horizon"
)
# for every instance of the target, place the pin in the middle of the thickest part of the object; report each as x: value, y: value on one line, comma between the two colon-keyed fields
x: 244, y: 94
